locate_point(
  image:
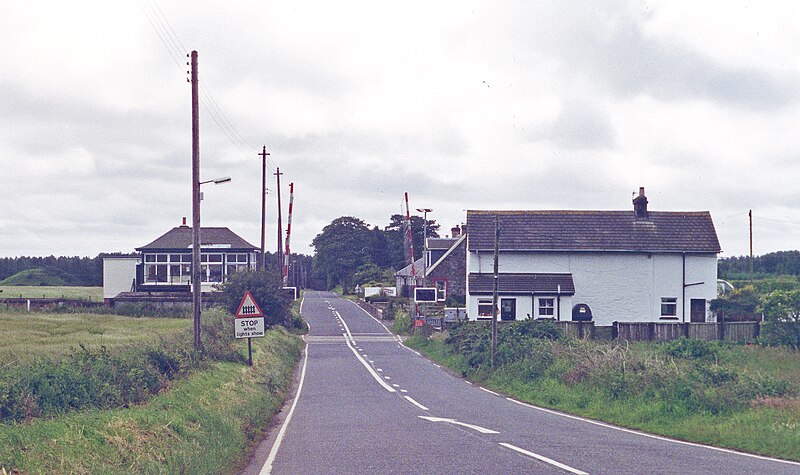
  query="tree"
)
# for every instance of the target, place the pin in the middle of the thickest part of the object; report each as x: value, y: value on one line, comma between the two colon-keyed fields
x: 395, y: 236
x: 266, y: 291
x: 340, y: 249
x: 781, y: 309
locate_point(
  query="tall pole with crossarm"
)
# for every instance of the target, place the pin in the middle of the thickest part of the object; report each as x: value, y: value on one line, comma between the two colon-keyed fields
x: 196, y: 302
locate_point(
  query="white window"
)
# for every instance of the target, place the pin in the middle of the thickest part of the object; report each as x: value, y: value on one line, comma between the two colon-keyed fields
x: 235, y: 263
x: 484, y: 308
x: 441, y: 290
x: 167, y: 268
x: 546, y: 307
x: 669, y: 306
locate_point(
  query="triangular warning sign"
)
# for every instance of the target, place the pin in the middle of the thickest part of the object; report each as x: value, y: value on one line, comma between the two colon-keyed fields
x: 248, y: 307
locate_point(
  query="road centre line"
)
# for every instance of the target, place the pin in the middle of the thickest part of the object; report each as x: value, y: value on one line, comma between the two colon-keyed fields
x: 544, y: 459
x: 267, y: 468
x: 412, y: 401
x: 369, y: 368
x: 480, y: 429
x: 652, y: 436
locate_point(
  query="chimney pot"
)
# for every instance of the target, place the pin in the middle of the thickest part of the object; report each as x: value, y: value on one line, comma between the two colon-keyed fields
x: 184, y: 221
x: 455, y: 231
x: 640, y: 205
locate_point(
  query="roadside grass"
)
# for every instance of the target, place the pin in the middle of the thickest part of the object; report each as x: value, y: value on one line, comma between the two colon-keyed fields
x: 204, y: 424
x: 28, y: 335
x: 767, y: 425
x: 92, y: 294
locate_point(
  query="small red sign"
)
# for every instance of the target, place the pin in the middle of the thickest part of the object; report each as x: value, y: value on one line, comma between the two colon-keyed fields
x: 248, y: 307
x: 419, y: 322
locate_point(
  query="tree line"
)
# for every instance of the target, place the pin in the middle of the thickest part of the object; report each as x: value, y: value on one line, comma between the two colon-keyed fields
x: 771, y: 264
x: 348, y: 251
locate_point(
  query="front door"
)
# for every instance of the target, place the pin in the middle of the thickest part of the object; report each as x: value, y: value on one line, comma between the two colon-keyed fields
x: 508, y: 309
x: 698, y: 311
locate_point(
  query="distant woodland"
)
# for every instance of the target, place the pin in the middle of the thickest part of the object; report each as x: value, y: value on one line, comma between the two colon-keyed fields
x: 51, y: 270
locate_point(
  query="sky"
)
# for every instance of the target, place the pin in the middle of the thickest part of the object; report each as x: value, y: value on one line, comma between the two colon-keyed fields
x: 525, y: 104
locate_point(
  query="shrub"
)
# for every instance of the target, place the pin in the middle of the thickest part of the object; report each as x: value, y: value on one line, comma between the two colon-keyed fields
x: 266, y: 290
x: 693, y: 349
x: 402, y: 323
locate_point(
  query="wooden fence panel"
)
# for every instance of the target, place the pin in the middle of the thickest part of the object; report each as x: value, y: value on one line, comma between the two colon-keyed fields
x: 703, y: 331
x: 740, y: 331
x: 667, y: 331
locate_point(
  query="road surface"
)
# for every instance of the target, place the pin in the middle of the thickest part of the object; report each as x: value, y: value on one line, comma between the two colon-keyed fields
x: 367, y: 404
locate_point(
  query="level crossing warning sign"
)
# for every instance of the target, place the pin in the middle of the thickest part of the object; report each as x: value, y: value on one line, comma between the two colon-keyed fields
x: 248, y: 307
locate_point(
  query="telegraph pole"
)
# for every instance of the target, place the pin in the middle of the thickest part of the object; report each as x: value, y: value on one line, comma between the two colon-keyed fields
x: 494, y: 286
x: 750, y: 215
x: 261, y: 262
x: 280, y: 226
x: 196, y: 299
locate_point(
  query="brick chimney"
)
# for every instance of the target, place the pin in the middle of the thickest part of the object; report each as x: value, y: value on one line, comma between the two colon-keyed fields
x: 640, y: 205
x: 455, y: 231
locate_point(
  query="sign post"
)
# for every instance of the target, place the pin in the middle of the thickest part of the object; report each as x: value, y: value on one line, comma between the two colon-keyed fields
x: 249, y: 322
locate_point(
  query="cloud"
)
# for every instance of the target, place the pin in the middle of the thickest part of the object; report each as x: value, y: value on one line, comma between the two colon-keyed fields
x: 579, y: 126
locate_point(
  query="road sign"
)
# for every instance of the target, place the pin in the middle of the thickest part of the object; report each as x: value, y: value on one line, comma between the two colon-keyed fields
x: 248, y: 307
x: 249, y: 327
x: 425, y: 294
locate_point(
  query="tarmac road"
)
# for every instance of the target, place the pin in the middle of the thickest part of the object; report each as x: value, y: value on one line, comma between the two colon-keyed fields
x: 368, y: 404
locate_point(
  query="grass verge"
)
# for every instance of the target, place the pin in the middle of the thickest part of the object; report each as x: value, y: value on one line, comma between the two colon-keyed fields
x: 766, y: 425
x: 28, y: 335
x: 91, y: 294
x: 204, y: 424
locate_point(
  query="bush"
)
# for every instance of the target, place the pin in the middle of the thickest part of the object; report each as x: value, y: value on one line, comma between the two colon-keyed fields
x: 691, y: 349
x: 402, y: 323
x: 266, y: 290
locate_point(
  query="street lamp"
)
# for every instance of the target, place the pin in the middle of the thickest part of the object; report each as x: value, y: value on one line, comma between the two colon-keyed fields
x: 424, y: 212
x: 196, y: 303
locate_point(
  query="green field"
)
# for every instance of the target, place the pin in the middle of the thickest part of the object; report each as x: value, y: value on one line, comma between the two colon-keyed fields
x: 93, y: 294
x: 26, y: 335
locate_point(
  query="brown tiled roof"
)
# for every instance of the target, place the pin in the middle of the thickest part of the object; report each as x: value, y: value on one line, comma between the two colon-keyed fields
x: 593, y: 231
x: 522, y: 283
x: 181, y: 238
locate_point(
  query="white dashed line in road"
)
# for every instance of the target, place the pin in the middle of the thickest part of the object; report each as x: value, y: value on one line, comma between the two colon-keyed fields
x: 412, y: 401
x: 544, y: 459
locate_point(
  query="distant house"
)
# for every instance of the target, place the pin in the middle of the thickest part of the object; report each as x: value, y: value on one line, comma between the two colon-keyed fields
x: 165, y: 265
x: 604, y: 266
x: 445, y: 267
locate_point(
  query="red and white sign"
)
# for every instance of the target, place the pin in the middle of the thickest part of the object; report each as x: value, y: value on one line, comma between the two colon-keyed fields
x: 249, y: 327
x: 248, y: 307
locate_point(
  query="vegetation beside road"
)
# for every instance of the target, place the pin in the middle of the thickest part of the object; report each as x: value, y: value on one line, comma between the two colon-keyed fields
x: 744, y: 397
x: 34, y: 334
x: 204, y: 424
x: 90, y: 294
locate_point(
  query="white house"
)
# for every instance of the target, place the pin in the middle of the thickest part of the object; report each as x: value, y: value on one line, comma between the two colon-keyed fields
x: 604, y: 266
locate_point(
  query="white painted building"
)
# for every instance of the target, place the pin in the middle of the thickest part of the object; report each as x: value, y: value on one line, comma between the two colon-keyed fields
x: 632, y: 266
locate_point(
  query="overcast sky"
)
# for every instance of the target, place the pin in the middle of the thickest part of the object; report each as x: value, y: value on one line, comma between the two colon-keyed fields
x: 463, y: 104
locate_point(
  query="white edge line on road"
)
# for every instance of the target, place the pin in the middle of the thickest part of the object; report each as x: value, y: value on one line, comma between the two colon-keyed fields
x: 544, y: 459
x: 652, y: 436
x: 412, y: 401
x: 267, y: 468
x: 369, y: 368
x: 488, y: 391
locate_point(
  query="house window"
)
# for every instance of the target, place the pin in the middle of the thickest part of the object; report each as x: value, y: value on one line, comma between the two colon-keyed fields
x: 546, y: 307
x: 211, y: 267
x: 484, y: 308
x: 669, y: 306
x: 441, y: 290
x: 235, y: 263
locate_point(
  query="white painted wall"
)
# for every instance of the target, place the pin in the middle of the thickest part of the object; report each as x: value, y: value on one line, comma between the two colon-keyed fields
x: 616, y: 286
x: 118, y: 275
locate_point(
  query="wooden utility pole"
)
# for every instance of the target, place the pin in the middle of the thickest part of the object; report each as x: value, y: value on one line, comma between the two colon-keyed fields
x: 280, y: 226
x: 261, y: 264
x: 196, y: 278
x: 494, y: 285
x: 750, y: 215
